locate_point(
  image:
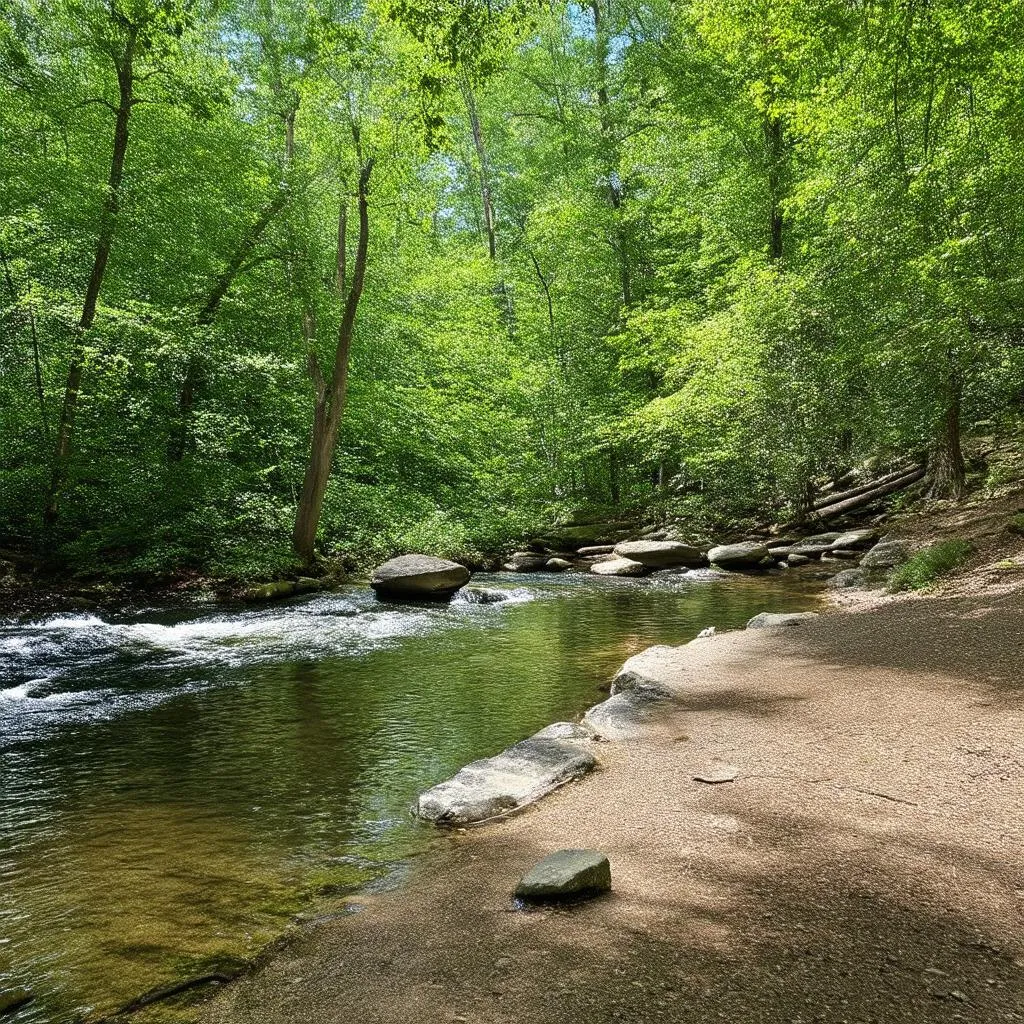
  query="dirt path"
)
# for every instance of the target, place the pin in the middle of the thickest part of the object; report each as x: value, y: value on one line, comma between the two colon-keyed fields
x: 865, y: 866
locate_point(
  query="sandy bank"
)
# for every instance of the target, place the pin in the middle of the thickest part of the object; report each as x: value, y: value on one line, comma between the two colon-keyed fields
x: 864, y: 866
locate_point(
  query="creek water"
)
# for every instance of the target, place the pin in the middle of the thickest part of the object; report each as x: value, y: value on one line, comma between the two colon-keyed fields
x: 175, y: 785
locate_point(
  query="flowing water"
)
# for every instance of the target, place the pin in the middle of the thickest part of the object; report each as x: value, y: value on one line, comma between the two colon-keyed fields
x: 175, y: 785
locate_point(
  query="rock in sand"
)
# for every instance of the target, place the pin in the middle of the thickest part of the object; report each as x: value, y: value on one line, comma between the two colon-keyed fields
x: 768, y: 620
x: 566, y: 873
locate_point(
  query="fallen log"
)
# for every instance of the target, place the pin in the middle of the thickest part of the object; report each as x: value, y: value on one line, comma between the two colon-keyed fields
x: 854, y: 492
x: 865, y: 498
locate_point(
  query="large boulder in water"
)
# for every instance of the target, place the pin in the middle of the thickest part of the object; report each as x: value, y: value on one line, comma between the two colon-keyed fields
x: 659, y: 554
x: 738, y: 556
x: 421, y: 577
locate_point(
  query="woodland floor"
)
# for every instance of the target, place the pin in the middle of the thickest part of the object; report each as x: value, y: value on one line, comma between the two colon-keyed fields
x: 865, y: 866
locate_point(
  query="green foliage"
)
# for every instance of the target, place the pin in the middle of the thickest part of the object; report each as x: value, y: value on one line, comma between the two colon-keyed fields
x: 688, y: 259
x: 930, y: 564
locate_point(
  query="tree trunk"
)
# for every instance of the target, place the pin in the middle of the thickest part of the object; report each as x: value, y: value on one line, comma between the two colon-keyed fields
x: 775, y: 147
x: 616, y: 191
x: 208, y: 313
x: 104, y: 243
x: 947, y: 474
x: 330, y: 395
x: 485, y: 179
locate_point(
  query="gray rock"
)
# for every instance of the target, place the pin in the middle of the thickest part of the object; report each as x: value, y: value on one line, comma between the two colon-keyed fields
x: 639, y: 674
x: 886, y: 555
x: 809, y: 549
x: 566, y: 873
x: 526, y: 561
x: 855, y: 539
x: 595, y: 549
x: 494, y: 786
x: 619, y: 567
x: 419, y: 576
x: 483, y: 595
x: 821, y: 538
x: 563, y: 731
x: 624, y: 715
x: 846, y: 554
x: 795, y: 558
x: 737, y: 556
x: 848, y: 578
x: 768, y: 620
x: 557, y: 565
x: 659, y: 554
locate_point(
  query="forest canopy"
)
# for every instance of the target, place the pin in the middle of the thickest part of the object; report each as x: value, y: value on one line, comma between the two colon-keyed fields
x: 291, y: 278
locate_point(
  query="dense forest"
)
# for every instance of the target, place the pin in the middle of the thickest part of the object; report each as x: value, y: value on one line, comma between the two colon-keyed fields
x: 283, y: 278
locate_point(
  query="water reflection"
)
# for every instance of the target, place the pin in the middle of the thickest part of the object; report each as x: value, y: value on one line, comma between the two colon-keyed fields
x: 175, y: 785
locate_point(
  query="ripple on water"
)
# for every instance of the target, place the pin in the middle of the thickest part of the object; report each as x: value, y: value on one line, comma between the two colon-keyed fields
x: 175, y: 785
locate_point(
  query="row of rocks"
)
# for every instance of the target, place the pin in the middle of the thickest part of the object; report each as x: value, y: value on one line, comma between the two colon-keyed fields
x: 423, y: 577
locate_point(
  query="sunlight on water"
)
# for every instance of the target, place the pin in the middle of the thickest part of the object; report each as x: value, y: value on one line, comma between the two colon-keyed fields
x: 175, y: 785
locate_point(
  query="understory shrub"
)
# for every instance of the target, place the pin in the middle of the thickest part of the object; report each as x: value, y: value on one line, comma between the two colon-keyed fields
x: 929, y: 564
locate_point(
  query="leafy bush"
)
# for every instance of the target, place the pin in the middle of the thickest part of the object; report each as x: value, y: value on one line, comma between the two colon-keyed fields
x: 1016, y: 524
x: 929, y: 564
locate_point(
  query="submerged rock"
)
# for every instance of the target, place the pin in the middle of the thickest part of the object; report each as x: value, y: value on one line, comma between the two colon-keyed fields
x: 566, y: 873
x: 14, y: 999
x: 619, y: 567
x: 272, y: 591
x: 497, y: 785
x: 419, y: 576
x: 659, y: 554
x: 737, y: 556
x: 483, y: 595
x: 768, y: 620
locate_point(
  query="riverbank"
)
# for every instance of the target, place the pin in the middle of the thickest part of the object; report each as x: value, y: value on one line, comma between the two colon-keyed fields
x: 863, y: 866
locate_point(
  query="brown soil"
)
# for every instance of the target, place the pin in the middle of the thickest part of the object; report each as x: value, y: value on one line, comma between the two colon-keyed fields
x: 865, y: 865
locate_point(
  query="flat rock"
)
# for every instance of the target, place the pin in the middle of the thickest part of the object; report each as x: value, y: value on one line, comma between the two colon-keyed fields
x: 624, y: 715
x: 595, y: 549
x: 563, y: 731
x: 619, y: 567
x: 795, y: 558
x: 886, y: 555
x: 736, y: 556
x: 419, y: 576
x: 848, y: 578
x: 494, y: 786
x: 659, y: 554
x: 526, y: 561
x: 855, y: 539
x: 645, y: 672
x: 769, y: 620
x: 566, y: 873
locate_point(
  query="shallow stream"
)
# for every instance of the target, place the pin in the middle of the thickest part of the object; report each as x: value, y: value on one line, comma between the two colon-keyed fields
x: 175, y: 785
